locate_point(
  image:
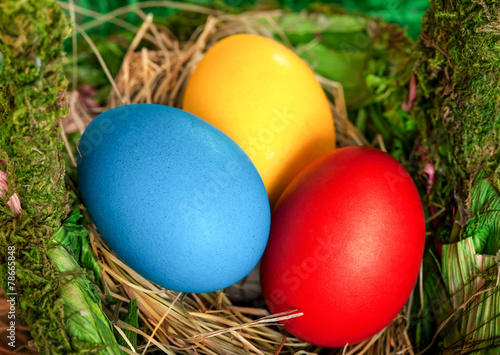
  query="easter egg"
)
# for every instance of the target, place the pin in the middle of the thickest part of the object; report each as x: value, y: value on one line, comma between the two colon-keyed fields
x: 346, y: 243
x: 266, y: 98
x: 174, y: 197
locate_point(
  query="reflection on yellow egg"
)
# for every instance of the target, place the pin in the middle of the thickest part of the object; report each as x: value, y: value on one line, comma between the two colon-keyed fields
x: 266, y: 99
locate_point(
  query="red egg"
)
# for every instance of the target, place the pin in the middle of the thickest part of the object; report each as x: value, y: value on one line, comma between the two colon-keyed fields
x: 347, y: 239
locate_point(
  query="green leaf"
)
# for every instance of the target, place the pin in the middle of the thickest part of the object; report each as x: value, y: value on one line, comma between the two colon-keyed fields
x: 73, y: 236
x: 85, y: 321
x: 132, y: 318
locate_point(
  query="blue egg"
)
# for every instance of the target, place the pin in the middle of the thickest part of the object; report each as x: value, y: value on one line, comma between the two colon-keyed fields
x: 174, y: 197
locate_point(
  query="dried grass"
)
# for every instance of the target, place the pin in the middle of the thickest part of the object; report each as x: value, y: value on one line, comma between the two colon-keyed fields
x: 208, y: 323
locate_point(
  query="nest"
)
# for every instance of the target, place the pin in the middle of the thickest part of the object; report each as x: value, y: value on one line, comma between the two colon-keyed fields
x: 173, y: 322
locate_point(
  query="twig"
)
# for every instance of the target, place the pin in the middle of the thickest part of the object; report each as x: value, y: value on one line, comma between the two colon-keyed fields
x: 68, y: 147
x: 161, y: 321
x: 265, y: 320
x: 103, y: 64
x: 74, y: 44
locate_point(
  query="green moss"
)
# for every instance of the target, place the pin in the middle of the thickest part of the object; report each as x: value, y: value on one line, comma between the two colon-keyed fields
x: 458, y: 118
x: 459, y: 72
x: 55, y: 297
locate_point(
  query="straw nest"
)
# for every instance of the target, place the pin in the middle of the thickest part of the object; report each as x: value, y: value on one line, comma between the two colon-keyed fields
x: 172, y: 322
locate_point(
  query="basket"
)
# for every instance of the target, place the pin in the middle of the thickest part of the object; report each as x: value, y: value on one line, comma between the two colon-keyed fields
x: 204, y: 323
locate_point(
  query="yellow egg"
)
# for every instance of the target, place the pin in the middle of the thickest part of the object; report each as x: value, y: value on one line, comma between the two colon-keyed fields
x: 266, y: 99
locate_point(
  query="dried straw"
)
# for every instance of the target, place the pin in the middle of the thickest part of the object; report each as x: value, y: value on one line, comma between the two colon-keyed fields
x: 207, y: 323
